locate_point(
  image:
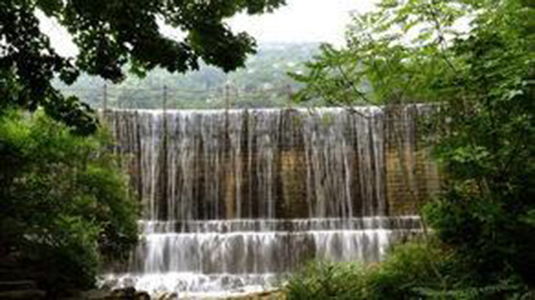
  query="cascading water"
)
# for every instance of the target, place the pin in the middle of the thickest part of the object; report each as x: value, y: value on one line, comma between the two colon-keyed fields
x: 236, y: 199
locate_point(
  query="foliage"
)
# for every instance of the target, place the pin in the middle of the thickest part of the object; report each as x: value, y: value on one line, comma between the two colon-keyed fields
x: 262, y: 83
x: 416, y: 270
x: 323, y: 280
x: 385, y: 61
x: 65, y: 204
x: 108, y: 34
x: 481, y: 77
x: 486, y: 209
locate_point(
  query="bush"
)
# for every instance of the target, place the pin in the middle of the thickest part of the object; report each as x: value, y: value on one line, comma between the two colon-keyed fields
x: 323, y: 280
x: 415, y: 270
x: 65, y: 204
x: 407, y: 266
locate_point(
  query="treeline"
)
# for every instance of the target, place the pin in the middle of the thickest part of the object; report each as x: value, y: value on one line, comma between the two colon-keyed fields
x: 264, y: 82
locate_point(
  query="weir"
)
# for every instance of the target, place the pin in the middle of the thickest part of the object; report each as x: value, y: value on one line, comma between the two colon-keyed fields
x: 234, y: 200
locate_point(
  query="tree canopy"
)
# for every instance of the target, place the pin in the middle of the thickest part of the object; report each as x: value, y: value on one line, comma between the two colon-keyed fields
x: 416, y: 51
x: 110, y: 34
x: 65, y: 202
x: 480, y: 77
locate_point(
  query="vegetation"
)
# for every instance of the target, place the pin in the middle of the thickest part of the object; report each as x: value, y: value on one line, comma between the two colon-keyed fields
x: 416, y: 270
x: 109, y: 34
x: 481, y: 77
x: 262, y: 83
x: 65, y: 206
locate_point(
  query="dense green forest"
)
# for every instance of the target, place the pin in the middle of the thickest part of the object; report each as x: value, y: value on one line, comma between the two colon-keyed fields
x: 263, y: 82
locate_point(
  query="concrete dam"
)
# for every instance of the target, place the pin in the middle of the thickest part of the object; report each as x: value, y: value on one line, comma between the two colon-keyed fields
x: 235, y: 200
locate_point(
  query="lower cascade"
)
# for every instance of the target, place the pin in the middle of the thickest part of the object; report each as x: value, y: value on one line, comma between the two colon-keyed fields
x: 236, y: 200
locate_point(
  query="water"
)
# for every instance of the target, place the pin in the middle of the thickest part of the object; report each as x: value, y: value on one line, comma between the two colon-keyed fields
x: 235, y: 200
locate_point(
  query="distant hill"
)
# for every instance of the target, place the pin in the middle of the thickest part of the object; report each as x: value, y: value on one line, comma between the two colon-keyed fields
x: 263, y: 83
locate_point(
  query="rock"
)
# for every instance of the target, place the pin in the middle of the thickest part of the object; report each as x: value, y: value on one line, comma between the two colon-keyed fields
x: 128, y: 293
x: 94, y: 295
x: 117, y: 294
x: 107, y: 284
x: 142, y: 296
x: 165, y: 296
x: 124, y: 293
x: 266, y: 295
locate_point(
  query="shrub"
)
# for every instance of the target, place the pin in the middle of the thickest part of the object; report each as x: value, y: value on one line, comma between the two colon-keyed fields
x: 324, y: 280
x: 415, y: 270
x: 65, y: 205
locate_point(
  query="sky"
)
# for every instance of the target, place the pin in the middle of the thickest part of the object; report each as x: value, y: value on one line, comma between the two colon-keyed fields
x: 303, y: 21
x: 298, y: 21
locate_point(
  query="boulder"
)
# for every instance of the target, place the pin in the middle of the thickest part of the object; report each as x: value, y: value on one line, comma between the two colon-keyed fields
x: 165, y: 296
x: 266, y: 295
x: 128, y: 293
x: 117, y: 294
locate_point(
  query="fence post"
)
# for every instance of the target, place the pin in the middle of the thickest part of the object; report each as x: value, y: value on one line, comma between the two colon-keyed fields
x: 105, y: 100
x: 290, y: 92
x: 227, y: 96
x: 164, y: 99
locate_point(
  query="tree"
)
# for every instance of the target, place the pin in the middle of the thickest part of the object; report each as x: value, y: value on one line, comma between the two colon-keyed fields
x: 65, y: 204
x: 484, y: 142
x: 262, y: 83
x: 481, y: 79
x: 110, y: 33
x: 395, y: 54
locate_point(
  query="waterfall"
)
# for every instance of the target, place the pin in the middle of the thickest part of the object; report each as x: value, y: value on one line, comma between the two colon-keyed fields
x: 235, y: 200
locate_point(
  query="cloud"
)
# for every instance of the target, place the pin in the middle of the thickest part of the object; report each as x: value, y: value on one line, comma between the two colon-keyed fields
x: 303, y: 21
